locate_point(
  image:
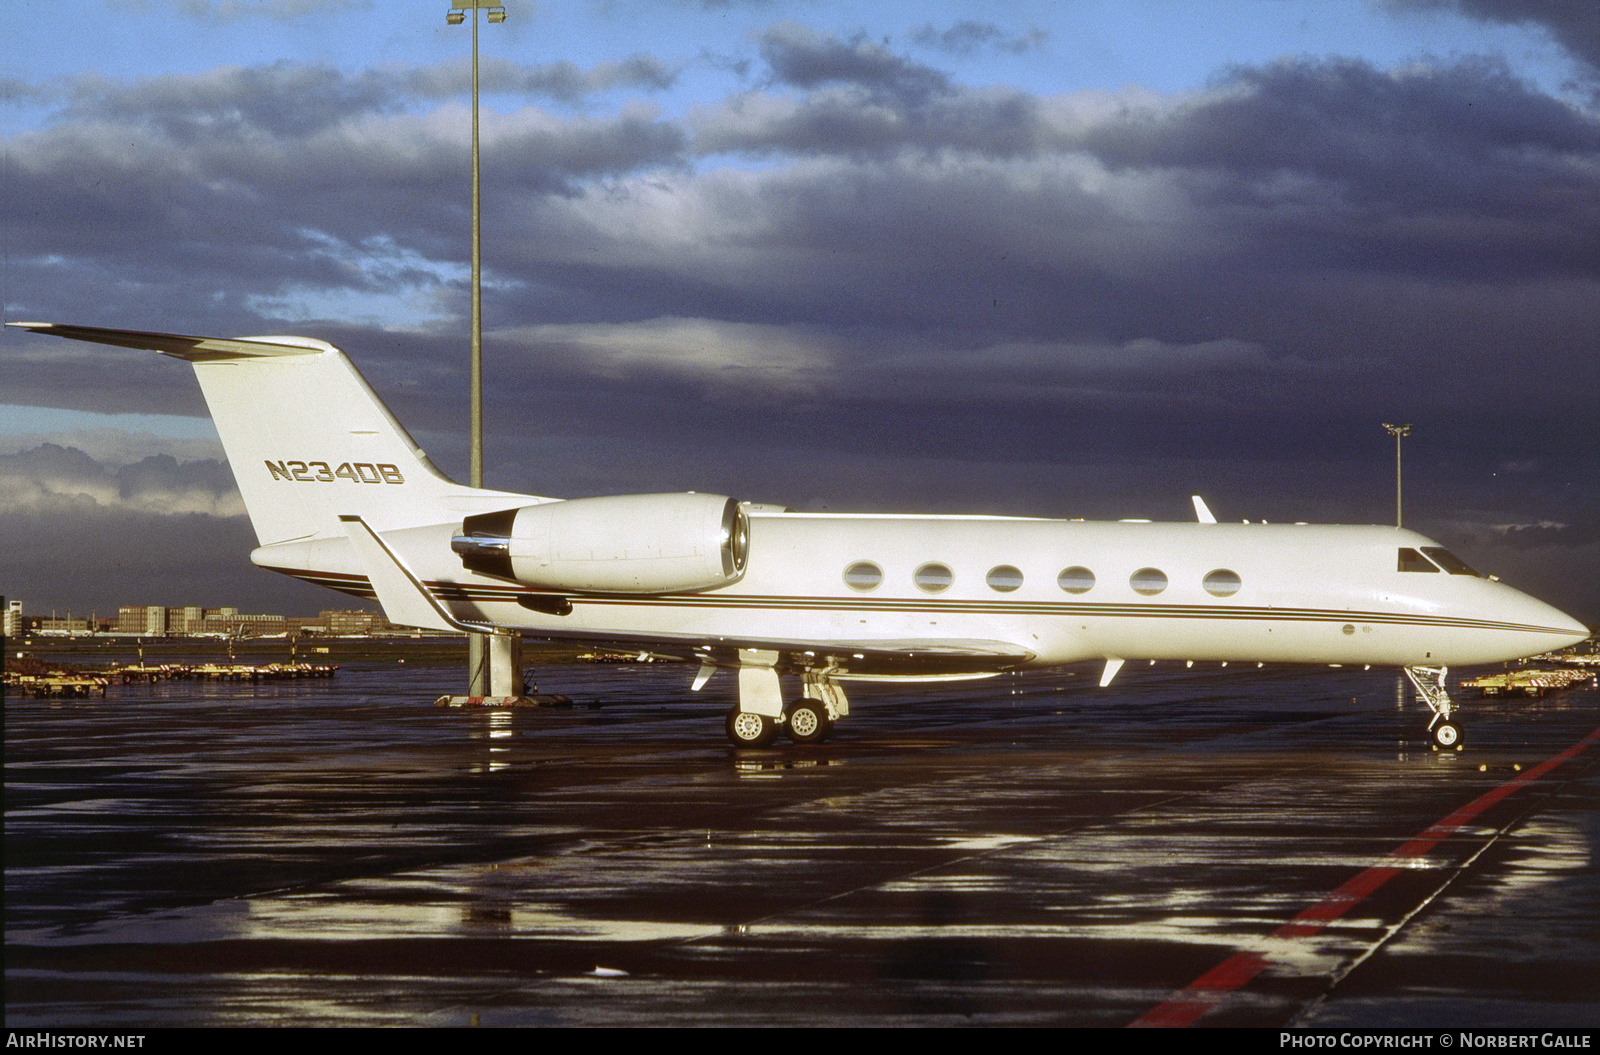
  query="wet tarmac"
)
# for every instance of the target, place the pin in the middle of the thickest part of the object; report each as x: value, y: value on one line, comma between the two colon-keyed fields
x: 1222, y: 847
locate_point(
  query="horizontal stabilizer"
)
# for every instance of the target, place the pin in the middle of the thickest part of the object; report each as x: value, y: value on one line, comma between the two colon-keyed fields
x: 183, y: 346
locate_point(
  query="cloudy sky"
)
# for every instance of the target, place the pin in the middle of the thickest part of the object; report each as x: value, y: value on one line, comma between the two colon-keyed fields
x: 1068, y: 258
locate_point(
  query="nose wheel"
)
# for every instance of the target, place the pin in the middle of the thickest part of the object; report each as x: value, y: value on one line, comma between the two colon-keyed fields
x: 1445, y: 730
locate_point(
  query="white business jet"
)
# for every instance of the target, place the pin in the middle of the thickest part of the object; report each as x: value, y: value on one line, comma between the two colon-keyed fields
x: 341, y: 496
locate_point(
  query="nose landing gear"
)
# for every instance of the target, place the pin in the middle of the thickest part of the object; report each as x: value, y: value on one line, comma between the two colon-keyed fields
x: 1444, y: 730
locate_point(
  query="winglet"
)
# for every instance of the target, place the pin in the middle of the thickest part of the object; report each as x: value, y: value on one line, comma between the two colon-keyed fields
x: 404, y: 599
x: 1202, y: 512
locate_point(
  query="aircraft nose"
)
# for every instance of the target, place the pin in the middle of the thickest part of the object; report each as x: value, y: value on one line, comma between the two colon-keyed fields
x: 1560, y: 629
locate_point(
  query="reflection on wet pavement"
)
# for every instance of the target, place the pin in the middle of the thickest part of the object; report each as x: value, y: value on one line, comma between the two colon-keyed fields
x: 1030, y: 850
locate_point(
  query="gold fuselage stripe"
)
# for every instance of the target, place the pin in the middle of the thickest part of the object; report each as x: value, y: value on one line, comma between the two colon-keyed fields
x: 452, y: 591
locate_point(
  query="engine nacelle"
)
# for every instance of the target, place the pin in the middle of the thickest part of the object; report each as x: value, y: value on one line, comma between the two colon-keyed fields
x: 619, y: 544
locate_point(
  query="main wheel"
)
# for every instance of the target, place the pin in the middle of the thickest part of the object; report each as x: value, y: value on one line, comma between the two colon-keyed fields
x: 748, y: 729
x: 809, y: 722
x: 1447, y: 735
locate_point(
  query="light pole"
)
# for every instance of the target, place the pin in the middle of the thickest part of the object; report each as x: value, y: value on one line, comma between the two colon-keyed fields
x: 1398, y: 432
x: 477, y: 644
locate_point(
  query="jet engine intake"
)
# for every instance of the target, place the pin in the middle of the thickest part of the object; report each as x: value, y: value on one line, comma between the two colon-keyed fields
x: 641, y: 544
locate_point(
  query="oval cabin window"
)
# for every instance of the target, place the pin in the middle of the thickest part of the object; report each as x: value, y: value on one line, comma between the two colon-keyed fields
x: 933, y: 578
x: 1221, y: 583
x: 863, y: 575
x: 1076, y: 580
x: 1148, y: 581
x: 1004, y: 578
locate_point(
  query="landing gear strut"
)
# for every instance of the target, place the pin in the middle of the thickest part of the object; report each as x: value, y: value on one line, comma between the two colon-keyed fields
x: 1443, y: 730
x: 761, y: 714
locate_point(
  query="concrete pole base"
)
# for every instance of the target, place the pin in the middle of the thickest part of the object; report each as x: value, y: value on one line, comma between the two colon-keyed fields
x: 544, y: 699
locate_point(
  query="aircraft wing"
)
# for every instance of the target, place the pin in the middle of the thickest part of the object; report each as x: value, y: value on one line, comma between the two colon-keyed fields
x: 856, y: 659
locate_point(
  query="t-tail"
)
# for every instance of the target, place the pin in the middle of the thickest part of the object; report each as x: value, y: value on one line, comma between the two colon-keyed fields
x: 309, y: 443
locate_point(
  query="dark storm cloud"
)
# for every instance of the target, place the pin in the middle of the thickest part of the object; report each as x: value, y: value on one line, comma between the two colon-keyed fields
x: 180, y: 187
x: 968, y: 36
x: 292, y: 99
x: 802, y: 58
x: 1054, y: 222
x: 1462, y: 168
x: 1575, y: 24
x: 837, y: 120
x: 1425, y: 132
x: 563, y: 81
x: 861, y: 99
x: 283, y: 99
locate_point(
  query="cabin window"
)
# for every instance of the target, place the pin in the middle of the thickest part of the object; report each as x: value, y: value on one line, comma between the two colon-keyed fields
x: 1448, y: 561
x: 1076, y: 580
x: 1148, y: 581
x: 863, y: 575
x: 1004, y: 578
x: 1411, y: 560
x: 933, y: 577
x: 1221, y: 583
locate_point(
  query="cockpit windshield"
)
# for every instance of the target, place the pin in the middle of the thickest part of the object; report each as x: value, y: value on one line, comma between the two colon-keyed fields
x: 1448, y: 561
x: 1411, y: 560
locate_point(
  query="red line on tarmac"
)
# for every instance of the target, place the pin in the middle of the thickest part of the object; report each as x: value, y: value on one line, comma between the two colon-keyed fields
x: 1237, y: 971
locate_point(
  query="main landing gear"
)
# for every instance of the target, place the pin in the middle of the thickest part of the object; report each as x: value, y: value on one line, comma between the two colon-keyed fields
x: 1444, y: 730
x: 806, y: 722
x: 761, y: 714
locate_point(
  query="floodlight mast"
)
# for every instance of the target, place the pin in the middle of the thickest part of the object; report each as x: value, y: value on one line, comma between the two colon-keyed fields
x: 477, y: 644
x: 1399, y: 432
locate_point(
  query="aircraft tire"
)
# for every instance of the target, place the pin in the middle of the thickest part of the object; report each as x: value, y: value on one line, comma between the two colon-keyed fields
x: 808, y: 723
x: 747, y: 729
x: 1447, y: 735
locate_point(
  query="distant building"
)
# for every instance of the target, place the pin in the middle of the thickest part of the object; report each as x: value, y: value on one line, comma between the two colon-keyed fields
x: 148, y: 620
x: 52, y: 624
x: 190, y: 621
x: 13, y: 619
x: 350, y: 623
x: 230, y: 621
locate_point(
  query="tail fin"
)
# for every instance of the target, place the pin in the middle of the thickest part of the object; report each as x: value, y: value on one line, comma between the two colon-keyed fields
x: 307, y: 439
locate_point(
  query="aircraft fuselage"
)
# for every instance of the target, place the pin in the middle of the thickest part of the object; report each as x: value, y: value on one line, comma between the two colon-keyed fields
x: 1002, y: 592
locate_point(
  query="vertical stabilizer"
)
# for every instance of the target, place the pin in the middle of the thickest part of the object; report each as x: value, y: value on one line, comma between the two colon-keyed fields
x: 307, y: 438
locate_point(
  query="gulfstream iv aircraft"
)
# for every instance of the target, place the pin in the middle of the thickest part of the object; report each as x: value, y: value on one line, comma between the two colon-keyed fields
x: 341, y: 496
